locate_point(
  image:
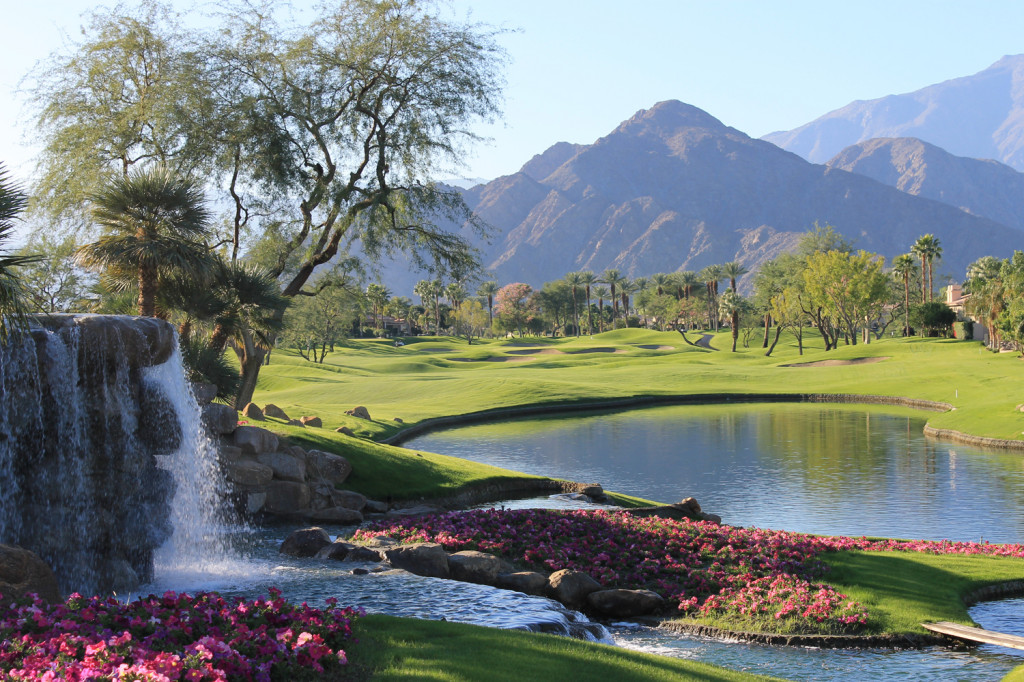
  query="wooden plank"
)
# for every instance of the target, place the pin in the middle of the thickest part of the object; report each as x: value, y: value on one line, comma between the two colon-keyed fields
x: 973, y: 634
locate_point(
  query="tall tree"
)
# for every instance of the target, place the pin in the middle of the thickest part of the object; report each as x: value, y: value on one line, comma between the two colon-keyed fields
x: 588, y: 279
x: 927, y: 248
x: 153, y: 224
x: 903, y: 268
x: 575, y: 281
x: 488, y: 290
x: 613, y: 278
x: 601, y: 293
x: 13, y: 296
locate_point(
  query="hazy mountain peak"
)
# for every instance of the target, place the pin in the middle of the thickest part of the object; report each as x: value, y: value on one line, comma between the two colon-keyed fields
x: 669, y: 117
x: 977, y: 116
x: 545, y: 163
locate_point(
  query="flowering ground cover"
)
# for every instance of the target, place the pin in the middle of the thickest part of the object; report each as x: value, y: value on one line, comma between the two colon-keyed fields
x: 771, y: 579
x: 173, y: 637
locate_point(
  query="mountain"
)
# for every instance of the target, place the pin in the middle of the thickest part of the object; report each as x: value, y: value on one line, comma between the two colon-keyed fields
x: 980, y: 187
x: 979, y: 116
x: 673, y: 188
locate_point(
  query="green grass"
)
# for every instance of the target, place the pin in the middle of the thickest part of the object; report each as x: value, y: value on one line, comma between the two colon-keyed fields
x: 426, y: 378
x: 407, y: 649
x: 901, y: 590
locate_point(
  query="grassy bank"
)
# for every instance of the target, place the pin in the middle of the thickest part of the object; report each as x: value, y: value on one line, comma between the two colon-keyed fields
x: 439, y: 377
x: 407, y: 649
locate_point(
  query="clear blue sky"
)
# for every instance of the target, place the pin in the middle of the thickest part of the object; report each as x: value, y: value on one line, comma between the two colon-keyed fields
x: 579, y: 67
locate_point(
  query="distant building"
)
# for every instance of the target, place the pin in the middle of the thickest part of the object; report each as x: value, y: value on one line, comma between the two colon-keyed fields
x: 956, y: 300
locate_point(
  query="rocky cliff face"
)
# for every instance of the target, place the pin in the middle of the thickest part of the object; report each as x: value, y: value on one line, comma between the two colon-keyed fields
x: 981, y: 187
x: 978, y: 116
x: 673, y: 188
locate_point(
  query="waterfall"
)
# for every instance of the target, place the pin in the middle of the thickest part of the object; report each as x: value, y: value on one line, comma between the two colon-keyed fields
x: 103, y: 457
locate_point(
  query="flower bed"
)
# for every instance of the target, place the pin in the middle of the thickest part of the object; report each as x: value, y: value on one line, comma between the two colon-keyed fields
x: 173, y: 637
x: 704, y: 570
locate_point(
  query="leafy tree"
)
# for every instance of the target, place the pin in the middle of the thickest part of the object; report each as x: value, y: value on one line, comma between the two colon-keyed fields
x: 13, y: 295
x: 314, y: 324
x: 849, y: 287
x: 153, y: 224
x: 400, y: 308
x: 471, y: 320
x: 52, y: 281
x: 788, y: 311
x: 934, y: 317
x: 513, y: 307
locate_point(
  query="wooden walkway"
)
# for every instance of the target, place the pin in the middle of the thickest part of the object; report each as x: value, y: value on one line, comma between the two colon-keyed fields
x: 972, y: 634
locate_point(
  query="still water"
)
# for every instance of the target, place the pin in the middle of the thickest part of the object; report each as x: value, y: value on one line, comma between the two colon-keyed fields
x: 808, y: 468
x: 832, y: 470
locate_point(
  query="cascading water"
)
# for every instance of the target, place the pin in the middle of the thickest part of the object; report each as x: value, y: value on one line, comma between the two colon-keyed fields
x: 98, y: 434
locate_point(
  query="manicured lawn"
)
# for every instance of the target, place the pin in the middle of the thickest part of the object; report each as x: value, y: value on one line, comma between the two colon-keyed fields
x: 407, y: 649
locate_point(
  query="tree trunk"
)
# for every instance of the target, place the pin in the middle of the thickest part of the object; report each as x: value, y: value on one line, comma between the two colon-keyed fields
x: 767, y: 324
x: 735, y: 328
x: 778, y: 333
x: 147, y: 291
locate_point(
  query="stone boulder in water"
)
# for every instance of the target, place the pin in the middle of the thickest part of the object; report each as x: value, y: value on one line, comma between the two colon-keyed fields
x: 305, y: 542
x: 23, y: 572
x: 625, y: 603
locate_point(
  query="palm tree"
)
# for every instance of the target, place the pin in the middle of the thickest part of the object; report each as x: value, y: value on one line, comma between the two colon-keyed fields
x: 575, y: 281
x: 378, y: 296
x: 588, y: 279
x: 431, y: 290
x: 13, y: 296
x: 711, y: 275
x: 251, y: 301
x: 456, y: 294
x: 626, y: 289
x: 685, y: 280
x: 601, y: 293
x: 661, y: 281
x: 613, y: 278
x: 927, y: 248
x: 987, y: 293
x: 733, y: 270
x: 153, y: 224
x: 903, y: 267
x: 729, y: 305
x: 488, y: 290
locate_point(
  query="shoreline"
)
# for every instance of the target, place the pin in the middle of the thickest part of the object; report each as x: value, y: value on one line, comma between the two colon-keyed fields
x: 513, y: 412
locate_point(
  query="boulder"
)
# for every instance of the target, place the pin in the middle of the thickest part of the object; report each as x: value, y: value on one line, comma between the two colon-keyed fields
x: 360, y: 553
x: 253, y: 411
x: 305, y: 542
x: 254, y: 440
x: 713, y: 518
x: 312, y: 422
x: 327, y: 466
x: 477, y: 567
x: 349, y: 499
x: 399, y: 420
x: 285, y: 466
x: 203, y: 392
x: 427, y: 559
x: 246, y: 472
x: 337, y: 550
x: 296, y: 422
x: 137, y: 341
x: 23, y: 572
x: 339, y: 515
x: 286, y: 497
x: 418, y: 510
x: 229, y: 453
x: 527, y: 582
x: 220, y: 420
x: 345, y: 431
x: 571, y: 587
x: 359, y: 412
x: 295, y: 451
x: 625, y: 603
x: 689, y: 504
x: 272, y: 410
x: 254, y: 502
x: 375, y: 507
x: 381, y: 542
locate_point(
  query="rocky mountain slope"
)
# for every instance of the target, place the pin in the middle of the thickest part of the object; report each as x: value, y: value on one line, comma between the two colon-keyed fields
x: 978, y: 116
x: 673, y: 188
x: 981, y: 187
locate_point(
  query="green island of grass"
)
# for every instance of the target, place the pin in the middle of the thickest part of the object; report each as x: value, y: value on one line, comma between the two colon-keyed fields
x: 440, y: 378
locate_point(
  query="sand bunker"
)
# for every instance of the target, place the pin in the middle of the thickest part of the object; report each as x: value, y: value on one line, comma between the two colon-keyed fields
x: 516, y: 359
x: 597, y: 350
x: 650, y: 347
x: 536, y: 351
x: 838, y: 363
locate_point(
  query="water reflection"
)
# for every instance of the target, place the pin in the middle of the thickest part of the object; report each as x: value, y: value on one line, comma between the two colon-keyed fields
x: 820, y: 469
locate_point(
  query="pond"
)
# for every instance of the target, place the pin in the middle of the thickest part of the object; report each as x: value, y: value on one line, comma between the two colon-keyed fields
x: 849, y: 470
x: 831, y: 470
